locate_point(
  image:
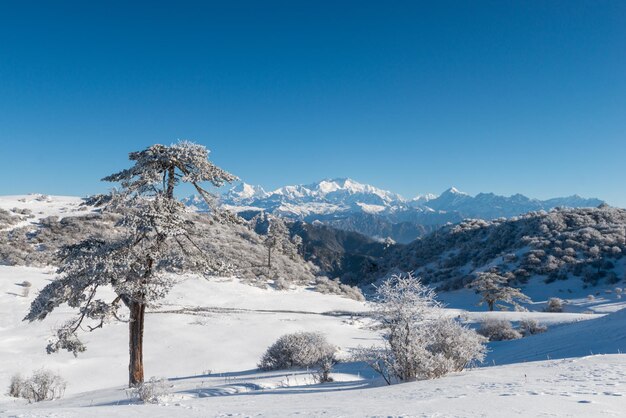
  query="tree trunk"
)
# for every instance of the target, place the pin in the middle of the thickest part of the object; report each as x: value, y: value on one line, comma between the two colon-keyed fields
x: 135, y: 328
x: 171, y: 182
x: 490, y: 304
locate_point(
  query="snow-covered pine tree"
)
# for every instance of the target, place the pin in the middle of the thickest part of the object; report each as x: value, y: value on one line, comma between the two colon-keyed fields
x: 493, y: 288
x: 154, y: 240
x: 277, y: 236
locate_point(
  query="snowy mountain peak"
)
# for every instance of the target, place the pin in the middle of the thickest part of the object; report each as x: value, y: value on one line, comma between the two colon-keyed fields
x: 336, y: 189
x: 454, y: 190
x: 348, y: 204
x: 244, y: 191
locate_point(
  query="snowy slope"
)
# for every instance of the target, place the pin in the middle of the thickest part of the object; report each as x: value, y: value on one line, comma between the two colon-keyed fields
x: 585, y: 387
x: 208, y: 335
x: 220, y: 324
x: 42, y: 206
x: 602, y: 335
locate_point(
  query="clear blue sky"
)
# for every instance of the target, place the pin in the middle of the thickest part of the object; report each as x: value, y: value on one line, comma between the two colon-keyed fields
x: 501, y: 96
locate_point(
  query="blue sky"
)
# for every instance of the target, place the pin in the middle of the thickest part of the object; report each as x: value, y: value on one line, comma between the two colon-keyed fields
x: 499, y: 96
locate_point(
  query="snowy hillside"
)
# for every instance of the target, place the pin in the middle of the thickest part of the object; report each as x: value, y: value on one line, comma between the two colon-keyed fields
x: 207, y: 337
x: 24, y: 210
x: 34, y: 227
x: 584, y: 245
x: 353, y: 206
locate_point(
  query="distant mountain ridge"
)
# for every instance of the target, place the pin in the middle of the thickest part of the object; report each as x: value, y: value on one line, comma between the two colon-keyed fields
x: 350, y: 205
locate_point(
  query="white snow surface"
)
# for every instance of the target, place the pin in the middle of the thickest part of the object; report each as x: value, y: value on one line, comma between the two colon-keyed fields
x: 208, y: 335
x: 43, y: 206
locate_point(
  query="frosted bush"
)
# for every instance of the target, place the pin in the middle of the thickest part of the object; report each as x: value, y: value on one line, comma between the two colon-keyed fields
x: 554, y: 305
x: 6, y: 219
x: 324, y: 367
x: 43, y: 385
x: 325, y: 285
x: 152, y: 391
x: 300, y: 349
x: 420, y: 341
x: 16, y: 385
x: 531, y: 327
x: 281, y: 284
x: 42, y: 198
x: 498, y: 330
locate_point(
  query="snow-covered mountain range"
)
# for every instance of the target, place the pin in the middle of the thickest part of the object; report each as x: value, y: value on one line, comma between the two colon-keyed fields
x: 350, y: 205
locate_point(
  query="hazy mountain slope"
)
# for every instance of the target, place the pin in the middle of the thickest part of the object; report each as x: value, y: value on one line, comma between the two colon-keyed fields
x: 339, y: 253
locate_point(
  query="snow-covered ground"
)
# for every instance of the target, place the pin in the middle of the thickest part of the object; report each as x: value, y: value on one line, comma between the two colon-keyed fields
x: 42, y: 206
x: 208, y: 335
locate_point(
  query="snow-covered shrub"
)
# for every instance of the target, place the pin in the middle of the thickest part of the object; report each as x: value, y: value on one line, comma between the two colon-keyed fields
x: 152, y: 391
x: 16, y: 385
x: 300, y: 349
x: 531, y: 327
x: 325, y: 366
x: 498, y: 330
x: 42, y: 197
x: 6, y: 219
x: 43, y: 385
x: 22, y: 211
x: 281, y: 284
x: 325, y: 285
x: 554, y: 305
x: 420, y: 341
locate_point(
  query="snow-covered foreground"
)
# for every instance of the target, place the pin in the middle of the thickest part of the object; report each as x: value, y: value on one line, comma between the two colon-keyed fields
x: 219, y: 325
x: 208, y: 336
x: 590, y: 386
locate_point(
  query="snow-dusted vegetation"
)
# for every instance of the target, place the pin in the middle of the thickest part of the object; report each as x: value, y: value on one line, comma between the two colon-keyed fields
x: 420, y: 341
x: 584, y: 244
x: 300, y: 349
